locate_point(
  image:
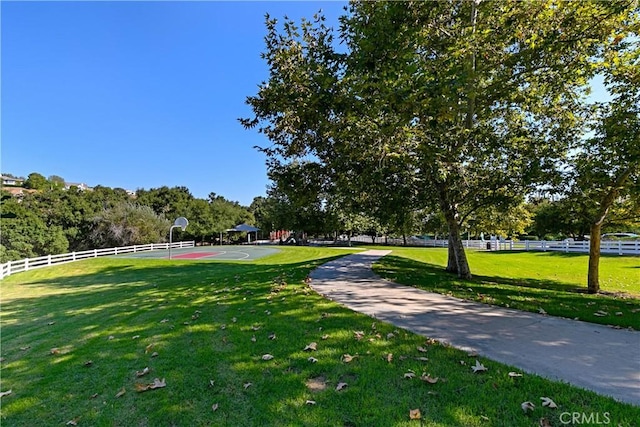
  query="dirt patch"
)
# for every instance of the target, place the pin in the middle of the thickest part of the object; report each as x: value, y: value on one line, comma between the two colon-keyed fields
x: 316, y: 384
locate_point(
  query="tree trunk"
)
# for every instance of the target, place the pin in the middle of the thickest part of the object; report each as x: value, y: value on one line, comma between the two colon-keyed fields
x: 593, y: 278
x: 457, y: 259
x: 452, y: 265
x: 456, y: 249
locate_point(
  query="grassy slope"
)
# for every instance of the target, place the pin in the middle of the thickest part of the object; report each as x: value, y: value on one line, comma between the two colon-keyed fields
x: 530, y: 281
x: 200, y: 317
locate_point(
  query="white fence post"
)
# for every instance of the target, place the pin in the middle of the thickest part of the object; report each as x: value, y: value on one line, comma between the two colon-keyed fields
x: 49, y: 260
x: 26, y: 264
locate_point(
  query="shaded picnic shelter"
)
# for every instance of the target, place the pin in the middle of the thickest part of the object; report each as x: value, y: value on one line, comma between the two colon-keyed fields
x: 244, y: 228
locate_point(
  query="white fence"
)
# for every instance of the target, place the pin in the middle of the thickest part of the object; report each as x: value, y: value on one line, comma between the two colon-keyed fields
x: 12, y: 267
x: 618, y: 247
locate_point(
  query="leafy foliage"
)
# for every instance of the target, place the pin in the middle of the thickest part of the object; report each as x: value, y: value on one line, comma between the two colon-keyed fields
x: 456, y: 107
x: 128, y: 224
x: 55, y: 220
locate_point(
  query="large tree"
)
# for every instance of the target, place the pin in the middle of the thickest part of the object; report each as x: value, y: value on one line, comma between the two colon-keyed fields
x: 128, y: 224
x: 607, y: 168
x: 478, y: 100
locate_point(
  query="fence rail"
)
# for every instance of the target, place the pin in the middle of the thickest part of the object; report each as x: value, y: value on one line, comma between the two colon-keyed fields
x: 12, y: 267
x: 616, y: 247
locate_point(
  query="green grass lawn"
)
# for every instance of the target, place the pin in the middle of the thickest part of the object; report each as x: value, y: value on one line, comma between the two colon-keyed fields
x: 530, y: 281
x: 74, y: 337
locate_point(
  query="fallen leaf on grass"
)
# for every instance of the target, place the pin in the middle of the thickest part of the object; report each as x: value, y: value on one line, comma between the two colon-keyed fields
x: 54, y: 350
x: 548, y: 402
x: 479, y: 367
x: 88, y: 363
x: 135, y: 337
x: 154, y: 354
x: 312, y: 359
x: 5, y: 393
x: 390, y: 335
x: 325, y: 336
x: 514, y: 374
x: 214, y: 407
x: 414, y: 414
x: 94, y: 395
x: 142, y: 373
x: 164, y: 320
x: 51, y: 323
x: 267, y: 357
x: 110, y: 337
x: 600, y: 313
x: 422, y: 359
x: 255, y: 328
x: 148, y: 348
x: 544, y: 422
x: 72, y: 423
x: 310, y: 402
x: 121, y: 392
x: 157, y: 383
x: 472, y: 353
x: 421, y: 349
x: 409, y: 375
x: 341, y: 386
x: 388, y: 357
x: 311, y: 347
x: 346, y: 358
x: 428, y: 378
x: 358, y: 335
x: 272, y: 336
x: 247, y: 385
x: 527, y: 406
x: 541, y: 311
x: 253, y: 339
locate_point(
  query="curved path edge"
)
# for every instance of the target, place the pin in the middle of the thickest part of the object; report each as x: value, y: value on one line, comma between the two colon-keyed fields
x: 590, y: 356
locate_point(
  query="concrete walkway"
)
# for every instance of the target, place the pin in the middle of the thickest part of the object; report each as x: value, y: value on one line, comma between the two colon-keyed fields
x: 586, y: 355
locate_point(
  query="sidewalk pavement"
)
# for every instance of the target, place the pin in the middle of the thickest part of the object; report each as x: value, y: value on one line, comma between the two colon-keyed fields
x: 590, y: 356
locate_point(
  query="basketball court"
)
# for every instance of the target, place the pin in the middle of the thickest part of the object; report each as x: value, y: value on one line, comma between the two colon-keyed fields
x: 207, y: 253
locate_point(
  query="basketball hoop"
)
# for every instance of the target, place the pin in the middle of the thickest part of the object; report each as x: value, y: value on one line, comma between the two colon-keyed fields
x: 180, y: 222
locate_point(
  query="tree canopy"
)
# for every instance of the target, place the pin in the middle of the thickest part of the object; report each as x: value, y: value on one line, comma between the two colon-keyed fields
x: 458, y: 107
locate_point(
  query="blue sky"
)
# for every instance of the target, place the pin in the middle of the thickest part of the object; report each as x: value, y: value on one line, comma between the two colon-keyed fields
x: 138, y: 94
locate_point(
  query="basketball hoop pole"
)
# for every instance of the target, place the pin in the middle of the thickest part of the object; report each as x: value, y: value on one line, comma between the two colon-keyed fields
x: 179, y: 222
